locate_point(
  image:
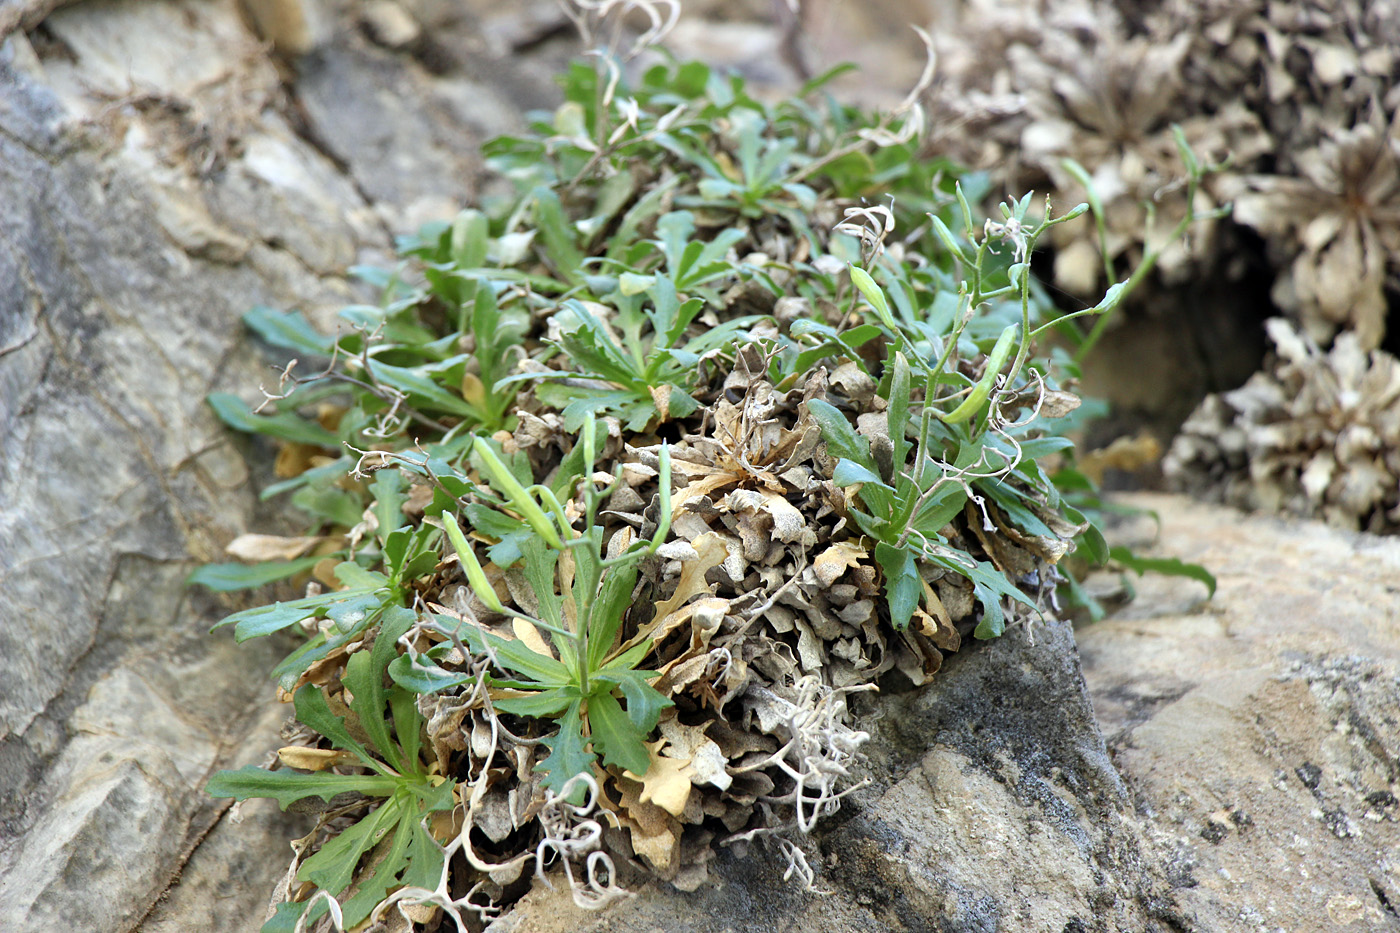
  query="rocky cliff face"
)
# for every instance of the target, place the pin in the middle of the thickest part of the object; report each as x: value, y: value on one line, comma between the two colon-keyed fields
x: 161, y: 171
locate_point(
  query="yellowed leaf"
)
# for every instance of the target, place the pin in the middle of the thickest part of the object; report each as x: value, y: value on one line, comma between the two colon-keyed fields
x: 667, y: 781
x: 420, y: 913
x: 659, y: 849
x: 929, y: 627
x: 294, y: 459
x: 473, y: 390
x: 689, y: 743
x: 712, y: 550
x: 701, y: 487
x: 661, y: 398
x: 328, y: 415
x: 257, y: 548
x: 832, y: 562
x: 788, y: 523
x: 1129, y: 454
x: 526, y: 632
x: 656, y: 834
x: 313, y: 759
x: 324, y: 572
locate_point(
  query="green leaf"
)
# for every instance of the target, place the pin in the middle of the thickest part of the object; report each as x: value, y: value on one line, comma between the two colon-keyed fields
x: 337, y: 506
x: 939, y: 510
x: 333, y: 867
x: 644, y: 702
x: 413, y: 858
x: 560, y: 243
x: 1078, y: 596
x: 264, y: 620
x: 1038, y: 447
x: 543, y: 704
x: 489, y: 521
x: 349, y: 614
x: 989, y: 585
x: 225, y: 578
x: 540, y: 668
x: 616, y: 735
x: 1010, y: 501
x: 289, y: 330
x: 287, y: 426
x: 900, y: 395
x: 568, y: 753
x: 470, y: 239
x: 396, y: 546
x: 1091, y: 539
x: 424, y: 677
x: 364, y: 678
x: 614, y: 597
x: 284, y: 918
x: 358, y: 578
x: 313, y: 710
x: 513, y: 655
x: 373, y: 889
x: 849, y: 473
x: 287, y: 786
x: 408, y: 727
x: 421, y: 390
x: 903, y: 585
x: 841, y: 439
x: 1169, y: 566
x: 540, y: 563
x: 387, y: 489
x: 289, y: 670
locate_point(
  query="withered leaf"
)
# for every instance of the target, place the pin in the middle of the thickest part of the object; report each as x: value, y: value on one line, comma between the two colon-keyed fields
x: 256, y: 548
x: 832, y: 562
x: 314, y: 759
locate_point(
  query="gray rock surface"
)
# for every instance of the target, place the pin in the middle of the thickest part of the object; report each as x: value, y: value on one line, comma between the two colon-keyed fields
x: 1259, y: 732
x: 160, y: 174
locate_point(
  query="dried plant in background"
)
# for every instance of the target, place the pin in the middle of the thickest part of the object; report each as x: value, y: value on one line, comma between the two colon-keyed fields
x: 1302, y: 96
x: 1339, y: 221
x: 1316, y: 434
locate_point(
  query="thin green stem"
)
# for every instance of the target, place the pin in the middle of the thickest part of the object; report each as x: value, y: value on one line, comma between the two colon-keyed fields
x: 1149, y: 262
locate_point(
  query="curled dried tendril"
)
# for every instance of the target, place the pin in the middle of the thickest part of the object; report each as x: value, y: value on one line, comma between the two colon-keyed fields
x: 572, y: 831
x: 870, y: 225
x: 589, y: 15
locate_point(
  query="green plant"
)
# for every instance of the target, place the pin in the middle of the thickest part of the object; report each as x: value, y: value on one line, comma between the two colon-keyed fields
x: 394, y: 772
x: 577, y: 687
x: 651, y: 374
x: 649, y: 466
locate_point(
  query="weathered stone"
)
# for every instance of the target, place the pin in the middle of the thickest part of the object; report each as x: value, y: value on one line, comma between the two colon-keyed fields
x: 233, y: 869
x: 159, y: 176
x: 1258, y: 731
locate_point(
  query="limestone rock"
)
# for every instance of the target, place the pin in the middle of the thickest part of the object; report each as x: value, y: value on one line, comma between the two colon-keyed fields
x: 1257, y: 731
x: 160, y: 174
